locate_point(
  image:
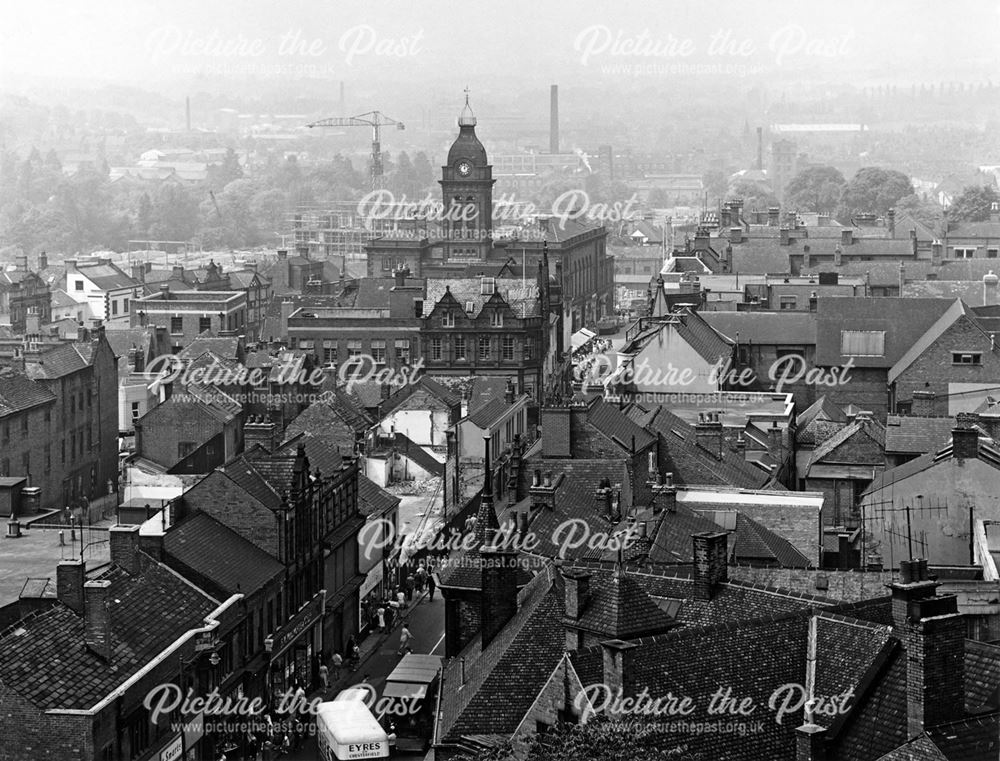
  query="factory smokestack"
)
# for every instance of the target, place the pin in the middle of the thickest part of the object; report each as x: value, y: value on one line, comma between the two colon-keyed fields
x: 760, y: 149
x: 187, y: 112
x: 554, y: 119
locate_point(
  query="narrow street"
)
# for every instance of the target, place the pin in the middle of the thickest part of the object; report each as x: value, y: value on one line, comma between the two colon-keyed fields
x: 426, y: 622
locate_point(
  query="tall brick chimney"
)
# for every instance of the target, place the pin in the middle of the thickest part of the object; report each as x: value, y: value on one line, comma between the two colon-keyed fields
x: 965, y: 437
x: 556, y: 425
x: 711, y: 564
x: 708, y: 434
x: 259, y: 430
x: 923, y: 403
x: 124, y: 546
x: 618, y: 670
x: 934, y: 638
x: 70, y: 576
x: 498, y: 601
x: 97, y: 618
x: 577, y: 584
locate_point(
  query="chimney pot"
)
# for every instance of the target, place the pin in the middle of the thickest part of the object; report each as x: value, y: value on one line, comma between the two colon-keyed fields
x: 97, y: 618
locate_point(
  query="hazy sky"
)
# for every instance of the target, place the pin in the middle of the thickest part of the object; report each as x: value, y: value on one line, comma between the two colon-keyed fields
x: 136, y: 41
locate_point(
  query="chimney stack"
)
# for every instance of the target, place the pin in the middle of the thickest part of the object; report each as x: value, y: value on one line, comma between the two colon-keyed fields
x: 965, y: 437
x: 556, y: 431
x: 708, y: 433
x: 577, y: 585
x: 508, y: 394
x: 891, y: 222
x: 43, y: 261
x: 97, y: 618
x: 937, y: 253
x: 923, y: 403
x: 809, y: 743
x: 498, y: 602
x: 773, y: 216
x: 554, y: 119
x: 124, y: 545
x: 618, y: 657
x: 21, y: 263
x: 711, y: 563
x: 933, y: 633
x: 260, y: 430
x: 70, y: 577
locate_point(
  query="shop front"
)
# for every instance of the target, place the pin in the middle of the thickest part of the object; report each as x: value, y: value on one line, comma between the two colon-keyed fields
x: 370, y: 596
x: 294, y: 647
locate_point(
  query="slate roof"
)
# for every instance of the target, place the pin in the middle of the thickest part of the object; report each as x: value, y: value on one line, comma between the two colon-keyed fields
x: 18, y: 392
x: 620, y: 608
x: 982, y: 674
x: 374, y: 292
x: 988, y: 453
x: 974, y: 739
x: 123, y: 340
x: 56, y: 362
x: 323, y: 417
x: 619, y: 427
x: 218, y: 557
x: 904, y: 321
x: 520, y: 299
x: 225, y: 347
x: 908, y: 434
x: 61, y: 299
x: 107, y: 276
x: 211, y: 401
x: 253, y: 480
x: 768, y: 328
x: 485, y: 415
x: 865, y: 427
x: 956, y: 311
x: 320, y: 453
x: 502, y: 680
x: 45, y: 660
x: 822, y: 409
x: 687, y: 461
x: 373, y: 500
x: 752, y: 542
x: 691, y: 328
x: 920, y: 748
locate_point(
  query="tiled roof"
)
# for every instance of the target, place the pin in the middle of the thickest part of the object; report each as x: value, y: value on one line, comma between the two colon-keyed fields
x: 502, y: 680
x: 489, y: 412
x: 619, y: 608
x: 45, y: 660
x: 327, y: 419
x: 809, y: 423
x: 249, y: 477
x: 18, y: 392
x: 123, y: 340
x: 863, y: 427
x: 219, y: 556
x: 768, y: 328
x: 974, y: 739
x: 373, y: 500
x: 61, y: 299
x: 907, y: 434
x: 982, y: 674
x: 617, y: 426
x: 107, y: 277
x: 212, y: 401
x: 520, y: 298
x: 225, y: 347
x: 920, y: 748
x: 903, y: 321
x: 688, y: 462
x: 320, y: 453
x: 955, y: 312
x: 988, y: 453
x: 56, y: 362
x: 754, y: 543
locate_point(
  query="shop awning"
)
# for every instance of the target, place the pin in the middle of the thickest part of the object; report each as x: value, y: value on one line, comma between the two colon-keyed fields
x: 581, y: 337
x: 404, y: 690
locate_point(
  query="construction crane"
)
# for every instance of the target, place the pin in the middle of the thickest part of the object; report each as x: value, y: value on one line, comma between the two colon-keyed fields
x: 374, y: 119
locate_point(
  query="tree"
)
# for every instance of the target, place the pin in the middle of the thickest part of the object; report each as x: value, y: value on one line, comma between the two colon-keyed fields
x: 873, y: 190
x: 175, y: 213
x: 220, y: 175
x: 973, y: 205
x: 816, y: 188
x: 755, y: 195
x: 715, y: 183
x: 926, y: 213
x: 597, y: 740
x: 658, y: 198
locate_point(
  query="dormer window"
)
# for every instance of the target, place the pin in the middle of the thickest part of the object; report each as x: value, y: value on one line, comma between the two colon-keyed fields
x: 447, y: 320
x: 470, y: 307
x: 496, y: 319
x: 488, y: 286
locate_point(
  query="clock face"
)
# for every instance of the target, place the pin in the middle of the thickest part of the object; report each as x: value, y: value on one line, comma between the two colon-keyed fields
x: 464, y: 168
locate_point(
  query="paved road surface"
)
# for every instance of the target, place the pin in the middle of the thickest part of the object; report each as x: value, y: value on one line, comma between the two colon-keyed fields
x: 426, y: 620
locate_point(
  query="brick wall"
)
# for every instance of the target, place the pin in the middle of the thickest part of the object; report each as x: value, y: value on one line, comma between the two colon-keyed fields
x: 840, y: 585
x: 30, y: 733
x: 230, y: 505
x: 160, y: 431
x: 933, y: 370
x: 865, y: 388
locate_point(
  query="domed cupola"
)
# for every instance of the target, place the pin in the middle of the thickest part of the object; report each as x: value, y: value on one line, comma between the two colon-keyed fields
x: 467, y: 145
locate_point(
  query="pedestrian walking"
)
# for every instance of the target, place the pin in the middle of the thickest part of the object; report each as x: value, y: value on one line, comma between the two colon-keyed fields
x: 380, y: 614
x: 421, y: 577
x: 404, y: 639
x: 338, y: 663
x: 356, y: 657
x: 390, y: 612
x: 401, y: 599
x: 324, y: 677
x: 430, y: 586
x: 411, y: 582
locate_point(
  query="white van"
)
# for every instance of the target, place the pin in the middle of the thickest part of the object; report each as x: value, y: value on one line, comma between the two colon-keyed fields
x: 346, y: 729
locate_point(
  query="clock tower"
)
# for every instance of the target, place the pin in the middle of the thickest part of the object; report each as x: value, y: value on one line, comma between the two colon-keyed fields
x: 467, y: 192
